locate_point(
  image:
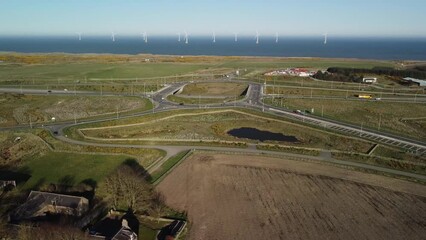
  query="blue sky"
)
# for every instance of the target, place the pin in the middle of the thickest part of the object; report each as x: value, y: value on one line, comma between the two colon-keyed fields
x: 405, y: 18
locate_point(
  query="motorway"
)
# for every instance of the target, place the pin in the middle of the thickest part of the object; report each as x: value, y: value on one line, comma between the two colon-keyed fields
x: 252, y: 100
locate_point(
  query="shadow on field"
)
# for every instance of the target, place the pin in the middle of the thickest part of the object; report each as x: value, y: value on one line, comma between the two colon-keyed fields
x: 133, y: 164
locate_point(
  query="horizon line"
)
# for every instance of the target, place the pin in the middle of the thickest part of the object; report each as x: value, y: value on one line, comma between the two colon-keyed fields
x: 265, y: 35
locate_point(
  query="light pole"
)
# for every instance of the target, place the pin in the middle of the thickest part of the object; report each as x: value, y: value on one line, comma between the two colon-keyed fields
x: 380, y: 121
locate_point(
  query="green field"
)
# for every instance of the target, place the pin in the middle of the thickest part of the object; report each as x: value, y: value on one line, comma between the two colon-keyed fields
x: 69, y: 168
x: 21, y: 109
x: 272, y: 63
x: 399, y: 118
x: 82, y: 71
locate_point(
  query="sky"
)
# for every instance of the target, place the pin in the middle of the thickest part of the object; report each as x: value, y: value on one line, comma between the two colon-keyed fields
x: 400, y: 18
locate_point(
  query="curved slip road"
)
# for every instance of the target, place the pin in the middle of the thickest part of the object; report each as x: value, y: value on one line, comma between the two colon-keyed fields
x: 173, y: 150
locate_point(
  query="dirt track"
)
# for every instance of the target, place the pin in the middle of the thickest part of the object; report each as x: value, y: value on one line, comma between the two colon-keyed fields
x: 252, y: 197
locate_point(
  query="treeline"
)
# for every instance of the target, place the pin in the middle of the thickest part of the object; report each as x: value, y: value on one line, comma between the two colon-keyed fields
x: 413, y: 73
x: 338, y: 77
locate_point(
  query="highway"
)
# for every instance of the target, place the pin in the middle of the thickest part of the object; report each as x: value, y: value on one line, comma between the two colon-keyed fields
x: 252, y: 100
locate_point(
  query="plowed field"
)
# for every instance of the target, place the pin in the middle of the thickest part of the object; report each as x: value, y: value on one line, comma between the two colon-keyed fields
x: 254, y: 197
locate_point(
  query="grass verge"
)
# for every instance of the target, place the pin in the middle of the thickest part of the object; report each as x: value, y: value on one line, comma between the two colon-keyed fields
x: 167, y: 166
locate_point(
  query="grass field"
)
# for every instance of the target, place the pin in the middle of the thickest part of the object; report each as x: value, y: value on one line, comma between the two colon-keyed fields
x: 257, y: 197
x: 193, y: 126
x: 413, y: 95
x: 21, y: 109
x: 219, y: 89
x: 69, y: 168
x: 201, y: 101
x: 272, y: 63
x: 384, y: 84
x: 400, y: 118
x: 82, y: 71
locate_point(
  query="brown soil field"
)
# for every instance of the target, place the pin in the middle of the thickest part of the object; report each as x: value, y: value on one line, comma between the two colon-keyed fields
x: 258, y: 197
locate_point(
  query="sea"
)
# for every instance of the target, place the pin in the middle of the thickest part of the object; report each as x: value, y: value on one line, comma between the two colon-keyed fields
x: 338, y: 47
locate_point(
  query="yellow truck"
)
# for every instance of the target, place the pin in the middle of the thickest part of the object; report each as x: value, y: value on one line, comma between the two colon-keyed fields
x: 364, y: 96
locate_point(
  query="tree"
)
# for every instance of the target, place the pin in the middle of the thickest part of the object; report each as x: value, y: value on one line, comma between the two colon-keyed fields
x: 158, y: 204
x: 129, y: 187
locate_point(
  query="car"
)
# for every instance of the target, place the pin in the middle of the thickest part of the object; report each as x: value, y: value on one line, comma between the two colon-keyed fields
x: 55, y: 132
x: 297, y: 111
x: 65, y: 90
x: 377, y: 99
x: 49, y: 91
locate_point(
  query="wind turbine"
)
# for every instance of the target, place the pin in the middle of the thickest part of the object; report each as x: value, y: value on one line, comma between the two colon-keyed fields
x: 214, y: 37
x: 178, y: 36
x: 186, y: 38
x: 236, y: 37
x: 145, y: 37
x: 325, y: 38
x: 79, y: 36
x: 276, y: 37
x: 113, y: 36
x: 257, y: 37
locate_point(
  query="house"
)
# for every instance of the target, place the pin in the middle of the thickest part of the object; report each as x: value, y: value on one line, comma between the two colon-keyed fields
x: 41, y: 204
x: 116, y: 226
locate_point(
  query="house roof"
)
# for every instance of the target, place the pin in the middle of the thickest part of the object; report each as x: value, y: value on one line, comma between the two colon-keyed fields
x: 58, y: 199
x: 125, y: 233
x: 41, y: 202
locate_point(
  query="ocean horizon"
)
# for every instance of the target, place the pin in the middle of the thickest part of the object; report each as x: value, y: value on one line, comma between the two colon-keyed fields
x: 337, y: 47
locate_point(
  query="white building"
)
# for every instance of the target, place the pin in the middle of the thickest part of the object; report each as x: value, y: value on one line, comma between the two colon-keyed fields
x: 369, y: 80
x: 421, y: 83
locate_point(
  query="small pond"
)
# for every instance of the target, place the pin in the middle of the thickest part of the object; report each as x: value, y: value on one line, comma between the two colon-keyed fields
x: 256, y: 134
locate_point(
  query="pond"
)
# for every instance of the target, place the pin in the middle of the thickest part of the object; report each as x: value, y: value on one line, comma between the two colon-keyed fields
x: 256, y: 134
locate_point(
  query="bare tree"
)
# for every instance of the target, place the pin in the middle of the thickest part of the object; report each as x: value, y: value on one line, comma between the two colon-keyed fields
x: 127, y: 186
x: 112, y: 184
x: 158, y: 204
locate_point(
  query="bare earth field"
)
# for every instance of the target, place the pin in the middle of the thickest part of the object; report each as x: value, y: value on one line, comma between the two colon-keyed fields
x: 255, y: 197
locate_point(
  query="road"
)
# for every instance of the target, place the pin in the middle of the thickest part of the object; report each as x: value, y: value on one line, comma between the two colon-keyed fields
x: 173, y: 150
x: 253, y: 100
